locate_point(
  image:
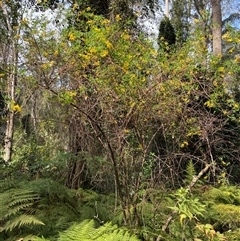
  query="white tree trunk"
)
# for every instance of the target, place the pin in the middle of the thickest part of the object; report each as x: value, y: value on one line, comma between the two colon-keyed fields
x: 11, y: 83
x: 167, y: 8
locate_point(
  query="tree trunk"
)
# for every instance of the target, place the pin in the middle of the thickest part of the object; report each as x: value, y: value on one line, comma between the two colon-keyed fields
x: 8, y: 138
x: 216, y: 27
x: 11, y: 83
x: 167, y: 8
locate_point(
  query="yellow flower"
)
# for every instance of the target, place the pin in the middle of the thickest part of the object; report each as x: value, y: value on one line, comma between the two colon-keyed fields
x: 24, y: 21
x: 97, y: 63
x: 90, y: 22
x: 51, y: 63
x: 126, y: 36
x: 16, y: 108
x: 45, y: 54
x: 72, y: 93
x: 226, y: 35
x: 44, y: 66
x: 221, y: 69
x: 235, y: 106
x: 108, y: 44
x: 185, y: 143
x: 125, y: 65
x: 229, y: 40
x: 118, y: 18
x: 97, y: 29
x: 104, y: 53
x: 237, y: 59
x: 209, y: 103
x: 105, y: 21
x: 126, y: 131
x: 225, y: 112
x: 87, y: 57
x: 230, y: 50
x: 93, y: 50
x: 47, y: 65
x: 71, y: 37
x: 75, y: 6
x: 223, y: 174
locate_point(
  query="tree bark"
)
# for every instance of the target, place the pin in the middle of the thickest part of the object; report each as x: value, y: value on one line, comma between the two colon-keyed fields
x: 11, y: 83
x: 216, y: 27
x: 167, y: 8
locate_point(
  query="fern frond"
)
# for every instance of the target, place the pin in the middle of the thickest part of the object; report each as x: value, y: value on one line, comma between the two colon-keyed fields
x: 224, y: 194
x: 15, y: 200
x: 33, y: 238
x: 22, y: 196
x: 190, y: 172
x: 78, y: 232
x: 86, y: 231
x: 6, y: 185
x: 228, y: 214
x: 20, y: 221
x: 117, y: 235
x: 224, y: 208
x: 233, y: 235
x: 48, y: 188
x: 15, y: 210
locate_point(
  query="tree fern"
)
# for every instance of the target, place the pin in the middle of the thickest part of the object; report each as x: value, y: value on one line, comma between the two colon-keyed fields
x: 86, y: 231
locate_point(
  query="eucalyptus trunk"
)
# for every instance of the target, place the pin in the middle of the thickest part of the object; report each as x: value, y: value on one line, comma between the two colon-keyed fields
x: 216, y: 27
x: 11, y: 80
x: 167, y: 8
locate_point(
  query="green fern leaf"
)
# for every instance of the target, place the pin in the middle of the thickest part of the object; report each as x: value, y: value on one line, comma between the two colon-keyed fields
x: 190, y: 172
x: 15, y: 200
x: 20, y: 221
x: 78, y: 231
x: 33, y: 238
x: 86, y: 231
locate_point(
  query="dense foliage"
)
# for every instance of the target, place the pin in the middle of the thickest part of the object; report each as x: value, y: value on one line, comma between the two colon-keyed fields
x: 109, y: 138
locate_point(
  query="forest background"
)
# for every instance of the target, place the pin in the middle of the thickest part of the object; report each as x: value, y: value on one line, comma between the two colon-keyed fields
x: 105, y: 136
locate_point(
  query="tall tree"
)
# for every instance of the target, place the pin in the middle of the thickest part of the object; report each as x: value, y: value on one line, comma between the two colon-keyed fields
x: 167, y: 8
x: 9, y: 13
x: 181, y: 19
x: 166, y: 34
x: 216, y: 27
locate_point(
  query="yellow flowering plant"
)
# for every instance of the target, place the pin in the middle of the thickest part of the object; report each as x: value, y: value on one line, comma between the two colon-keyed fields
x: 134, y: 101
